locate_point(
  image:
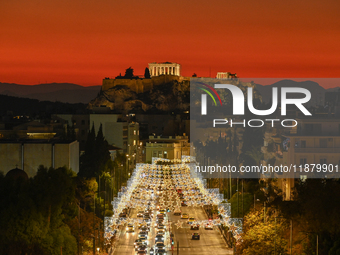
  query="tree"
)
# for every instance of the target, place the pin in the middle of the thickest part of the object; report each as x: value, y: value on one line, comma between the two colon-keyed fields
x: 68, y: 134
x: 316, y: 208
x: 128, y: 73
x: 147, y: 73
x: 87, y: 159
x: 248, y: 201
x: 261, y: 237
x: 33, y: 213
x: 96, y: 155
x: 82, y: 227
x: 101, y: 151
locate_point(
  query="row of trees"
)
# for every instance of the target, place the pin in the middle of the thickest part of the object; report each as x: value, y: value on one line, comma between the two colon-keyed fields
x: 58, y: 211
x: 34, y: 212
x: 52, y: 212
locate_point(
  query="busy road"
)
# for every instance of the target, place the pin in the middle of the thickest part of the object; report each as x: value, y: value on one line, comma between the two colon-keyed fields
x: 210, y: 240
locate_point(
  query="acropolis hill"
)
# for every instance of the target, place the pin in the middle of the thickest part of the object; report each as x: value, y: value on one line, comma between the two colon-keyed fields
x: 160, y: 73
x: 161, y: 89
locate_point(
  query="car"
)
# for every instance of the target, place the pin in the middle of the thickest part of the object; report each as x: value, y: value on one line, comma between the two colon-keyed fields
x: 144, y: 228
x: 208, y: 226
x: 177, y: 212
x: 140, y: 214
x: 162, y: 211
x: 147, y: 219
x: 152, y: 251
x: 160, y: 216
x: 191, y: 220
x: 144, y: 239
x: 195, y: 236
x: 143, y: 233
x: 141, y: 247
x: 141, y: 253
x: 197, y: 227
x: 161, y: 252
x: 159, y: 221
x: 159, y: 246
x: 160, y: 226
x: 148, y: 213
x: 184, y: 216
x: 130, y: 229
x: 159, y: 238
x: 139, y: 243
x: 160, y: 232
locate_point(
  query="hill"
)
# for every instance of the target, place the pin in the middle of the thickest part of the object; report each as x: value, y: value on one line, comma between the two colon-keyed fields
x: 62, y: 92
x: 170, y: 96
x: 318, y: 92
x: 17, y: 106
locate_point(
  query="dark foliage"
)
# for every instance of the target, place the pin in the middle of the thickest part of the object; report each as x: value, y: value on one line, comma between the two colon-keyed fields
x: 33, y: 107
x: 32, y: 213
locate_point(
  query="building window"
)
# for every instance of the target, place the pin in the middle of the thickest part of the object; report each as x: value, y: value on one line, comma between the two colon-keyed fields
x: 323, y: 142
x: 83, y: 122
x: 165, y: 154
x: 323, y: 161
x: 303, y: 161
x: 160, y: 154
x: 154, y: 154
x: 134, y: 142
x: 134, y: 132
x: 303, y: 144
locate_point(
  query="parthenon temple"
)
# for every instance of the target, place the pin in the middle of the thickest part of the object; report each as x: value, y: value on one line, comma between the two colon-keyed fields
x: 164, y: 68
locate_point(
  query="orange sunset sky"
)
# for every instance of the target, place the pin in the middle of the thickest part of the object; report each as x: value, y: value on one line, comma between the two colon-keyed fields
x: 83, y: 41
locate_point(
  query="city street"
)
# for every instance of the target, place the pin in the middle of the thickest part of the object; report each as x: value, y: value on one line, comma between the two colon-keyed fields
x: 210, y: 241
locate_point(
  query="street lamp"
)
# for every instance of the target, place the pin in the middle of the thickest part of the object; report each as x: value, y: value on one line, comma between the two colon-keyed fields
x: 98, y: 250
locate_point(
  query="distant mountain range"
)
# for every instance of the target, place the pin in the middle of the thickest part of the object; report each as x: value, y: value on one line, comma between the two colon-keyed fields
x: 318, y: 92
x: 73, y: 93
x: 61, y: 92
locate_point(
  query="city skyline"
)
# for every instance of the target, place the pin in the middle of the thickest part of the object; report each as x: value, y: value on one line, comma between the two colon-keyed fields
x: 82, y: 42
